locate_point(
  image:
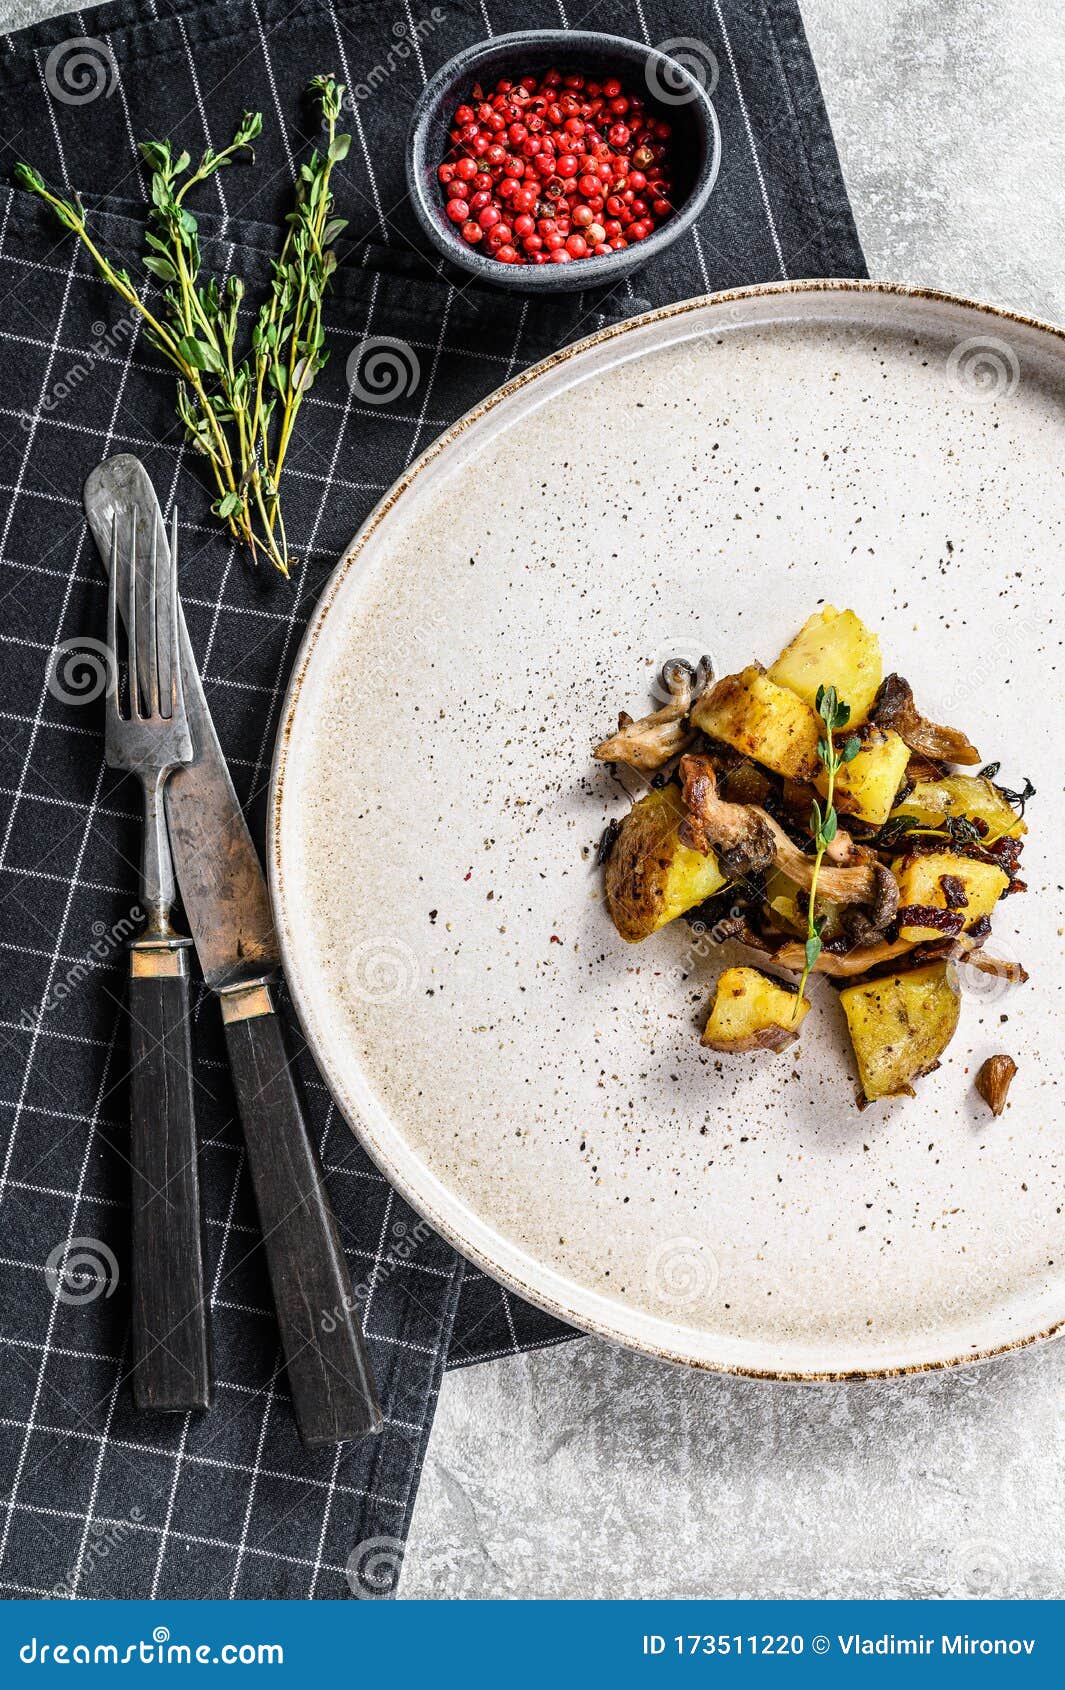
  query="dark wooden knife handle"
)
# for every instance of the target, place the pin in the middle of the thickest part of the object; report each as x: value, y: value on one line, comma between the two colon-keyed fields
x: 170, y: 1360
x: 333, y: 1392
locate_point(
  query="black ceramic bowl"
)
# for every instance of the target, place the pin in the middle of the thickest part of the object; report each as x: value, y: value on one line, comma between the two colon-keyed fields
x: 670, y: 89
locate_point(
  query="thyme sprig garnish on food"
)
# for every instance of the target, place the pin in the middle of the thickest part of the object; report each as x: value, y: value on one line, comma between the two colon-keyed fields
x: 238, y: 407
x: 824, y: 823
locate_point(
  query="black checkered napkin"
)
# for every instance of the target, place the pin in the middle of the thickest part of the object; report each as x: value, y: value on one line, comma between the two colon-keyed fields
x: 94, y: 1500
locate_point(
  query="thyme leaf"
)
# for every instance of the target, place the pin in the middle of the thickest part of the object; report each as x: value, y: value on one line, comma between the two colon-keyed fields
x: 238, y: 406
x: 824, y: 823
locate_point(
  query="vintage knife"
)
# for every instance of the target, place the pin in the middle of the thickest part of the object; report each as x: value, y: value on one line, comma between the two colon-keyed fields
x: 224, y: 897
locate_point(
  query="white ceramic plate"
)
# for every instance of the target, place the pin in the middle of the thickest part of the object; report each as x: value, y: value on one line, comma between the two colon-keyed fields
x: 699, y: 479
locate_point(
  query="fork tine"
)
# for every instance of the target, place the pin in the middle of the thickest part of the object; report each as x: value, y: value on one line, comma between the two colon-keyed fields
x: 153, y: 626
x: 113, y: 702
x: 131, y: 624
x: 177, y: 685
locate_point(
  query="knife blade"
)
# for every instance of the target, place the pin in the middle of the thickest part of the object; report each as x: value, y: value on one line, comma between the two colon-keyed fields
x: 226, y: 904
x: 222, y: 885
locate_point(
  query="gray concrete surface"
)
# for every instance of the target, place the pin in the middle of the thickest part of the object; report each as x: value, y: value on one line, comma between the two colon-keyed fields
x: 586, y: 1471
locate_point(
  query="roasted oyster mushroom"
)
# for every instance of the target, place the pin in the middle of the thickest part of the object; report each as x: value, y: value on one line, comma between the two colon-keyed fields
x: 747, y: 840
x: 653, y: 741
x: 894, y: 708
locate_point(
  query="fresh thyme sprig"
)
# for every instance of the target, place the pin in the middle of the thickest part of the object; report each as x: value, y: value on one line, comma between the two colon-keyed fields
x: 239, y: 408
x: 824, y: 824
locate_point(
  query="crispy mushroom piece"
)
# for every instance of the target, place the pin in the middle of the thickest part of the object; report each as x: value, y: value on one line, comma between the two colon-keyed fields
x: 920, y: 769
x: 740, y: 835
x: 651, y: 742
x: 746, y: 840
x: 867, y: 959
x: 1001, y: 968
x: 846, y: 965
x: 867, y: 926
x: 994, y: 1081
x: 894, y: 708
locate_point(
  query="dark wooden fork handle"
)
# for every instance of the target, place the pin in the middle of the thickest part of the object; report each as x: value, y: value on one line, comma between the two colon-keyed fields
x: 170, y: 1360
x: 333, y: 1393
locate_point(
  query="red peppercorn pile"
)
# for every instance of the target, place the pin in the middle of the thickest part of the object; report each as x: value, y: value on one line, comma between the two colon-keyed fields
x: 558, y: 167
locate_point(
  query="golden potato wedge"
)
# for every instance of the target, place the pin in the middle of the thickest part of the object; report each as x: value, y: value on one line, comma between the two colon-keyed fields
x: 752, y: 1012
x: 752, y: 714
x: 832, y: 648
x: 920, y: 881
x: 867, y: 786
x: 651, y: 877
x: 935, y: 801
x: 900, y: 1026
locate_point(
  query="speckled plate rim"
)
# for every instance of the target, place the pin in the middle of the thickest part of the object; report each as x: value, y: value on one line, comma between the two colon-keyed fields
x: 416, y: 1183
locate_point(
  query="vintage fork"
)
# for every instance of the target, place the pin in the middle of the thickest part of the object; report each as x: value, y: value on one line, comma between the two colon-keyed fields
x: 170, y: 1361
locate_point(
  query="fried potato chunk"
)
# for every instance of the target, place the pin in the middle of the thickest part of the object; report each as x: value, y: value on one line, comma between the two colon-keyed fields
x: 763, y: 721
x: 866, y: 787
x: 752, y: 1012
x: 943, y: 880
x: 832, y: 646
x: 900, y: 1026
x: 651, y: 876
x: 935, y: 801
